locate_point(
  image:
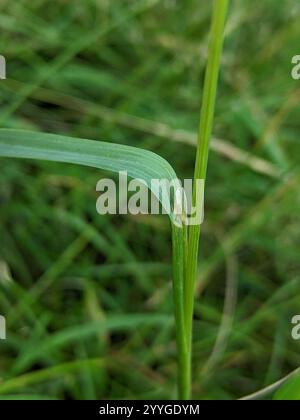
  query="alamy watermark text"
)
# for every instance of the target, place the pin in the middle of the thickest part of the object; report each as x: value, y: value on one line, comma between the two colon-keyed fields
x: 2, y: 328
x: 296, y: 67
x: 182, y: 201
x: 2, y: 67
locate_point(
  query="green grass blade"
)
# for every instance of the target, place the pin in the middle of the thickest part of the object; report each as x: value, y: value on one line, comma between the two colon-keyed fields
x: 290, y: 391
x: 48, y: 374
x: 138, y: 163
x: 33, y: 353
x: 220, y: 8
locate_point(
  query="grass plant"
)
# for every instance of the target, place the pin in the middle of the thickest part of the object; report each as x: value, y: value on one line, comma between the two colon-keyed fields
x: 68, y: 277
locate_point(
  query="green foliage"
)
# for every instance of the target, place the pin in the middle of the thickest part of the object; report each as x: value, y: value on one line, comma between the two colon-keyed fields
x: 146, y: 166
x: 138, y: 82
x: 289, y: 391
x: 138, y: 163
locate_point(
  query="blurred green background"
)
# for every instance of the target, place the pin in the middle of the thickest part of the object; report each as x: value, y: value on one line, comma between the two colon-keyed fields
x: 88, y: 298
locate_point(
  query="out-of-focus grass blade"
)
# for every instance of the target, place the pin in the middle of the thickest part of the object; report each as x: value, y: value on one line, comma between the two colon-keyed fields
x: 82, y: 332
x: 48, y: 374
x: 138, y: 163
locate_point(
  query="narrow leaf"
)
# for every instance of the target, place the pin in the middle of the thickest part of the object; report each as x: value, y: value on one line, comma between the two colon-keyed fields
x: 138, y: 163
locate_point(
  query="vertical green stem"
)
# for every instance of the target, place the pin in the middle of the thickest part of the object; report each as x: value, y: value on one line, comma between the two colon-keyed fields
x: 179, y: 236
x: 220, y: 8
x: 186, y: 240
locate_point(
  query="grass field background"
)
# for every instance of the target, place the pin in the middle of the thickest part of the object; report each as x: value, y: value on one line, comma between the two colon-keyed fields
x: 88, y: 298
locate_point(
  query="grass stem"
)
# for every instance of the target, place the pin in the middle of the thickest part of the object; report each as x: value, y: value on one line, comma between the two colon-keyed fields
x: 186, y: 276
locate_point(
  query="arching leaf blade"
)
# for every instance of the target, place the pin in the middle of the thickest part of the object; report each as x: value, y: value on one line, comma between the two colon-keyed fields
x: 138, y: 163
